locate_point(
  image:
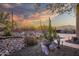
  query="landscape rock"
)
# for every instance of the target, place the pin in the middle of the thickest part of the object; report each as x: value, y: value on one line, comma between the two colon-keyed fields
x: 10, y: 45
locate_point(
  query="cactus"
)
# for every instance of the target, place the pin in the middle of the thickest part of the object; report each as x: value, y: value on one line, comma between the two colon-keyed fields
x: 54, y: 33
x: 50, y: 32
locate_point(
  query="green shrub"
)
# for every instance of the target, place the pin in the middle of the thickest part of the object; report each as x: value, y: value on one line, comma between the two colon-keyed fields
x: 7, y: 33
x: 7, y: 30
x: 4, y: 19
x: 30, y: 41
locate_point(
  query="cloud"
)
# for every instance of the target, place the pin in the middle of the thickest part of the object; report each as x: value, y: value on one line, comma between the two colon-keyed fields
x: 6, y: 5
x: 25, y: 15
x: 21, y: 21
x: 43, y: 15
x: 9, y: 5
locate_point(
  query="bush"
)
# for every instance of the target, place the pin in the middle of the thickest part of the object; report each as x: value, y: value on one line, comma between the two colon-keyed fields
x: 7, y: 32
x: 7, y: 29
x: 30, y: 41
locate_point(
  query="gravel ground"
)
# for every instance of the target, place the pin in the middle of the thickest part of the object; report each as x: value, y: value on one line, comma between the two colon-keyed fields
x: 36, y: 51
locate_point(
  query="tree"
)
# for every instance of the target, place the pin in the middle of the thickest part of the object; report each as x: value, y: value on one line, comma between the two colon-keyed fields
x: 59, y: 8
x: 77, y: 20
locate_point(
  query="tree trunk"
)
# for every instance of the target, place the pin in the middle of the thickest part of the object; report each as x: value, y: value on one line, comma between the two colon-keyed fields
x: 77, y: 20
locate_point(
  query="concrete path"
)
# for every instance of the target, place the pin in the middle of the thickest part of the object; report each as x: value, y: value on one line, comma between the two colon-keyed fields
x: 73, y: 45
x: 67, y: 37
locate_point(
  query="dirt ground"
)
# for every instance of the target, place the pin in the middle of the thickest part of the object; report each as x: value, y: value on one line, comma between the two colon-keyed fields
x: 36, y: 51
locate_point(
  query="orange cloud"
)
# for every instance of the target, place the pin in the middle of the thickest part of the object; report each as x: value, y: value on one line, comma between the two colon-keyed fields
x: 43, y: 16
x: 19, y: 20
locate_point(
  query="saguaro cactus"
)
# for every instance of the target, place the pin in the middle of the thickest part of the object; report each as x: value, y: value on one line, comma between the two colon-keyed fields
x: 50, y: 31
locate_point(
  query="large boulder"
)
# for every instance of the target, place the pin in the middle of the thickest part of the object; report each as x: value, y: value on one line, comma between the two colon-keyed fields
x: 53, y: 46
x: 46, y: 42
x: 44, y: 48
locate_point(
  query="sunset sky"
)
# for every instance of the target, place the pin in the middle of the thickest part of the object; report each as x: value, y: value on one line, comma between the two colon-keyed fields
x: 26, y: 14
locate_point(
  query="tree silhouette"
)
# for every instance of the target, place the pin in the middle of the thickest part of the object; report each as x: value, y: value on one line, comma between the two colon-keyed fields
x: 59, y: 8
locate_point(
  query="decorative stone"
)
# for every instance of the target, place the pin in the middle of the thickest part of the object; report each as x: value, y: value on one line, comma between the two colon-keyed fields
x: 9, y: 45
x: 52, y: 46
